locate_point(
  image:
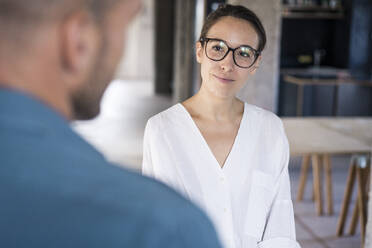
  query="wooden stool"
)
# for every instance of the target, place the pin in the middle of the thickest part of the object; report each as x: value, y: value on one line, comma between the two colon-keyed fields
x: 318, y: 162
x: 359, y: 170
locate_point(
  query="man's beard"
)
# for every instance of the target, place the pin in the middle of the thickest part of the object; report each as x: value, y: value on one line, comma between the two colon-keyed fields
x: 86, y: 101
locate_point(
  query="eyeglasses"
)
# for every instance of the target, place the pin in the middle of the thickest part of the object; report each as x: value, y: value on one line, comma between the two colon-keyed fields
x: 244, y: 56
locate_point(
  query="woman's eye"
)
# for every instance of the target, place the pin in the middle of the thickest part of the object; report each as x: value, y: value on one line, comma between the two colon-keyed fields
x: 217, y: 48
x: 245, y: 55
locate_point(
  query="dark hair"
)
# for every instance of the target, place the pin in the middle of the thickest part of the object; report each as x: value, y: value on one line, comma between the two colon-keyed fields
x: 239, y: 12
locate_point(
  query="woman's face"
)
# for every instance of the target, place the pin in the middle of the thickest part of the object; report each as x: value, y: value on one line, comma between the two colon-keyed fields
x: 224, y: 78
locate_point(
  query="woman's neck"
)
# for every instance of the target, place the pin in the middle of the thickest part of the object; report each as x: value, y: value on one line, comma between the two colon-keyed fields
x: 206, y: 106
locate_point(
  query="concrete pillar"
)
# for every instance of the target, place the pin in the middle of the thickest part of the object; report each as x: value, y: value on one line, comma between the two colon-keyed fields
x: 184, y: 54
x: 164, y: 36
x: 262, y: 89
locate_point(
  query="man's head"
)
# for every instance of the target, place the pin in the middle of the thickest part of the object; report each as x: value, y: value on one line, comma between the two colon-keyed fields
x: 64, y: 52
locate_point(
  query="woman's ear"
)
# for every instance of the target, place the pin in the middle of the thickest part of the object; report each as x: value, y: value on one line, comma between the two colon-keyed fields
x: 199, y: 52
x: 255, y: 65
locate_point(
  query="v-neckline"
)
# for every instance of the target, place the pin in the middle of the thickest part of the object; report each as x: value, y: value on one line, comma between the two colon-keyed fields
x: 205, y: 143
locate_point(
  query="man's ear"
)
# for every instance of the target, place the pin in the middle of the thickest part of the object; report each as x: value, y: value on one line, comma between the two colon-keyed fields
x: 199, y: 52
x: 79, y: 42
x: 256, y: 65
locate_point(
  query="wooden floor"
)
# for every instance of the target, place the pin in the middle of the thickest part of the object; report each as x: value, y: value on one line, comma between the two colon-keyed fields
x: 118, y: 133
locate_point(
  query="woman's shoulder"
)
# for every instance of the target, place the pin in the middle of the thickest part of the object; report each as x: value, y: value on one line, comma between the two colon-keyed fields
x: 268, y: 125
x: 165, y: 117
x: 262, y: 115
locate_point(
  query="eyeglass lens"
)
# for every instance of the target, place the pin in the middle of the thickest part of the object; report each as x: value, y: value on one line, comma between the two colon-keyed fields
x: 244, y: 56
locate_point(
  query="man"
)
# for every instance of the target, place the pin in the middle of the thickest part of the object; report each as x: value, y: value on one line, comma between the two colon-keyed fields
x: 56, y: 59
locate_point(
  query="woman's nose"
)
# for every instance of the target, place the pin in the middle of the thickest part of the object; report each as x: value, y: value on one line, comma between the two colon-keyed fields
x: 227, y: 64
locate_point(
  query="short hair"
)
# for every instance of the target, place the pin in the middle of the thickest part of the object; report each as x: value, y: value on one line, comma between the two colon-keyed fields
x: 25, y: 13
x: 236, y: 11
x: 20, y: 18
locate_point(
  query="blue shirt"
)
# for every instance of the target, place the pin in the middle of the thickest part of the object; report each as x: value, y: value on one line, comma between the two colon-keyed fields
x: 56, y: 190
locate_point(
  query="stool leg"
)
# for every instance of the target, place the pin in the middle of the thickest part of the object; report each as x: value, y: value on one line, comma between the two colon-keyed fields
x: 362, y: 200
x: 313, y: 190
x: 320, y: 179
x: 367, y: 182
x: 304, y: 171
x: 346, y: 200
x: 354, y: 219
x: 328, y: 172
x: 317, y: 183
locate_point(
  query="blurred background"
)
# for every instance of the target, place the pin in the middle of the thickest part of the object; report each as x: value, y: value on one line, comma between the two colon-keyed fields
x: 316, y: 74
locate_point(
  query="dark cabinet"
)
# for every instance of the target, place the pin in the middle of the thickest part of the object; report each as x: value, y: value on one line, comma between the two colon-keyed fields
x: 337, y: 38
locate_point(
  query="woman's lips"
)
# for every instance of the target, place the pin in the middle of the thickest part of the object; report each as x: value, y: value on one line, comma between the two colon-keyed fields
x: 223, y: 79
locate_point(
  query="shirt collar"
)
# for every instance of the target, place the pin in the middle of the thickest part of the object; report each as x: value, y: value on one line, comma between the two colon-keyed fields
x: 22, y: 109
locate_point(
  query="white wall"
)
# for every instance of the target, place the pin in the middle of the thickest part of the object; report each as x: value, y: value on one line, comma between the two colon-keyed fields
x: 138, y: 59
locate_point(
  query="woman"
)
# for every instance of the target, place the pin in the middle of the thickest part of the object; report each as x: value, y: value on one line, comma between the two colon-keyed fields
x: 229, y: 157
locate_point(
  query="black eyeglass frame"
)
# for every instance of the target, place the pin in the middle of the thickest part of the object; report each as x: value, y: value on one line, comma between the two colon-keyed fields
x: 206, y: 40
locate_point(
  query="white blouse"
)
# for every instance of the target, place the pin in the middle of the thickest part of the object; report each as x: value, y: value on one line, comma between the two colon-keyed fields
x: 249, y: 199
